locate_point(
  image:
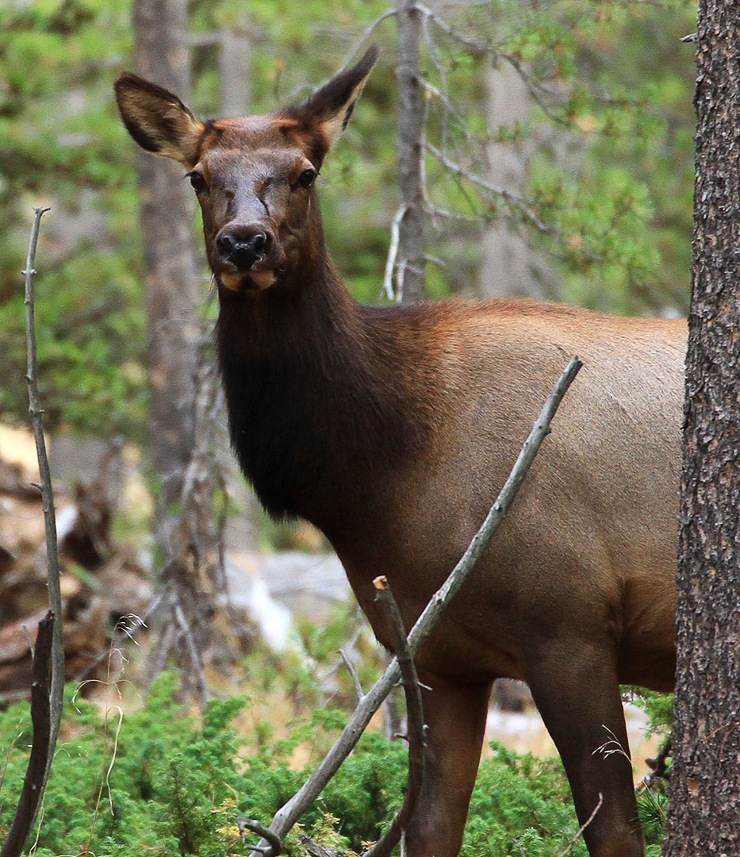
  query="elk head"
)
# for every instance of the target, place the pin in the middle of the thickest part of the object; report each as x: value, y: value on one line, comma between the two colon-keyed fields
x: 254, y: 177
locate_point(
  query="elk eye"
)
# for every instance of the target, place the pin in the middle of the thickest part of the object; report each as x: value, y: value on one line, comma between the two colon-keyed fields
x: 307, y: 177
x: 197, y: 181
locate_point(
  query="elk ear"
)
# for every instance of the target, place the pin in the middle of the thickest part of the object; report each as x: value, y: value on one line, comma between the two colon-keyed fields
x: 158, y: 120
x: 326, y: 113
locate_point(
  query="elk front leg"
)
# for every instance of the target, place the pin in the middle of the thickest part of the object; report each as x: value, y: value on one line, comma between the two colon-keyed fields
x: 456, y: 718
x: 576, y: 691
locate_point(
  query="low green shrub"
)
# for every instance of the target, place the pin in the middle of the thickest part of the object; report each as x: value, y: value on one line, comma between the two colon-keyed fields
x: 160, y: 782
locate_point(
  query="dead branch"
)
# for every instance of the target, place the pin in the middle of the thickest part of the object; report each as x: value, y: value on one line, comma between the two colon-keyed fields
x: 47, y: 689
x: 353, y: 673
x: 41, y: 749
x: 290, y: 812
x: 583, y: 827
x: 254, y: 826
x: 390, y: 263
x: 415, y: 728
x: 364, y: 36
x: 316, y: 850
x: 410, y: 282
x: 658, y: 767
x: 509, y: 197
x: 475, y: 46
x: 204, y: 691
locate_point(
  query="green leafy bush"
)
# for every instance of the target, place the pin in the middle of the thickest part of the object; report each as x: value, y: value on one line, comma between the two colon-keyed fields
x: 160, y: 782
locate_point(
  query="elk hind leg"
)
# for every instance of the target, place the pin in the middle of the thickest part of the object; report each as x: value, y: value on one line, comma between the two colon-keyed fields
x: 577, y: 693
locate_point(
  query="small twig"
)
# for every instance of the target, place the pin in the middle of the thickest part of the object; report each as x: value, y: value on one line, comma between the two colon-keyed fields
x: 415, y: 720
x: 659, y: 767
x: 205, y: 692
x: 583, y: 826
x: 41, y: 750
x: 513, y: 199
x: 353, y: 673
x: 473, y: 45
x: 290, y: 812
x: 29, y: 640
x: 364, y: 36
x: 536, y: 90
x: 390, y: 262
x: 250, y: 824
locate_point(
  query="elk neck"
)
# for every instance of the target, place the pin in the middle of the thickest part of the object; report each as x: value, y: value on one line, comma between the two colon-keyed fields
x: 326, y: 397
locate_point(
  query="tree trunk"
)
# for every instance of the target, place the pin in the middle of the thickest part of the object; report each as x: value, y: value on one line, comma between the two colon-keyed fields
x: 187, y: 537
x: 410, y: 260
x: 169, y: 272
x: 509, y: 266
x: 233, y: 60
x: 704, y: 815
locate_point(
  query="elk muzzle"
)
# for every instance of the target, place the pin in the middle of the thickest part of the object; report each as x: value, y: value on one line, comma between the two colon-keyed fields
x: 244, y: 246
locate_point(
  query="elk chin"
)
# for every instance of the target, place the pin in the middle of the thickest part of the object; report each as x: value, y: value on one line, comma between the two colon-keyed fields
x: 252, y: 281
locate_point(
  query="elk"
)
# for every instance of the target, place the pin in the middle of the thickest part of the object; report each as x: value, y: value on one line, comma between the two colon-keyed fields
x: 392, y: 429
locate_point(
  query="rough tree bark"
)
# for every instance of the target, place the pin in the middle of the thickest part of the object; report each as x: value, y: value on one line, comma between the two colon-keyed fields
x: 704, y: 815
x: 410, y: 260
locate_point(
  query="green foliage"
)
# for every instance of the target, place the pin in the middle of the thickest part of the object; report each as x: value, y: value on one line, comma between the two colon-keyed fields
x: 169, y: 785
x: 657, y: 706
x: 652, y: 801
x: 521, y: 805
x: 61, y: 145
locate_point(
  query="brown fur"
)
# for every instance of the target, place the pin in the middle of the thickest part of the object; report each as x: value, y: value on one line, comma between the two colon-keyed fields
x: 393, y: 429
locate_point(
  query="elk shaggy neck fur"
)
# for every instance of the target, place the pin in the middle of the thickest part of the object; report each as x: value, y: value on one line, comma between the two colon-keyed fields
x: 325, y: 396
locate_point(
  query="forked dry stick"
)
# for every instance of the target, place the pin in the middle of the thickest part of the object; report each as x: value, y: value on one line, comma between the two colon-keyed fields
x: 415, y: 728
x: 47, y: 690
x: 289, y: 813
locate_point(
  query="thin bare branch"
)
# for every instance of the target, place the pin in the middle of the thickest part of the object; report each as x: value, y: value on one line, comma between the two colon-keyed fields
x: 513, y: 199
x: 41, y: 750
x: 583, y: 827
x: 353, y: 673
x: 390, y: 262
x: 289, y: 813
x: 47, y: 690
x: 536, y: 90
x: 364, y: 36
x: 475, y: 46
x: 274, y: 843
x: 202, y: 681
x: 415, y: 722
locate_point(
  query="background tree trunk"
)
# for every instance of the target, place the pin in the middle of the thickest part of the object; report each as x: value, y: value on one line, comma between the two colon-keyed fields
x: 509, y: 266
x: 162, y: 56
x: 181, y: 405
x: 410, y: 260
x: 234, y: 61
x: 704, y: 816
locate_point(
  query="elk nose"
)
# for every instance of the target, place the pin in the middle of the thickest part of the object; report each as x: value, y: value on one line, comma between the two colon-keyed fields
x: 244, y: 246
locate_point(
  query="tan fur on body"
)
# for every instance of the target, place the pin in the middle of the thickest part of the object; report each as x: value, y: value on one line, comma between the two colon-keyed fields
x: 392, y: 429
